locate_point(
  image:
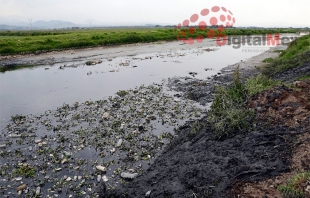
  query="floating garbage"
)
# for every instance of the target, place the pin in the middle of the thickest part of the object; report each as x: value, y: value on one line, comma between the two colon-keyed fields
x: 89, y: 139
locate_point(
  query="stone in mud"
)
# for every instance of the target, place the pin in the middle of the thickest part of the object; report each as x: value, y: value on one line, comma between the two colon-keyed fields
x: 112, y: 150
x: 2, y: 145
x: 119, y: 143
x: 148, y: 193
x: 18, y: 178
x: 129, y: 175
x: 105, y: 178
x: 38, y: 191
x: 37, y: 141
x: 21, y: 187
x: 67, y: 153
x: 64, y: 161
x: 58, y: 169
x: 177, y: 99
x: 101, y: 168
x: 106, y: 115
x: 15, y: 135
x: 68, y: 179
x: 99, y: 178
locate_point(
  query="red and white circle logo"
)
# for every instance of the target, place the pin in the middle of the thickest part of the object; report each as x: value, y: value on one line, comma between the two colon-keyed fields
x: 217, y: 16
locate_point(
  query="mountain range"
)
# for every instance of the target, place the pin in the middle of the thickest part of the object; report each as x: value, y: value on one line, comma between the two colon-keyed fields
x: 14, y: 25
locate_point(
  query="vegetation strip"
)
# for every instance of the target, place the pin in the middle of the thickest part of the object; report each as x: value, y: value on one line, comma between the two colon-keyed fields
x: 23, y: 42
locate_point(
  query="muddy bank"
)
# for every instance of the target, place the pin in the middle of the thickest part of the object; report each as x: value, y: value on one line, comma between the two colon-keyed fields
x: 292, y: 74
x: 73, y: 55
x: 289, y: 108
x: 198, y: 164
x: 64, y: 56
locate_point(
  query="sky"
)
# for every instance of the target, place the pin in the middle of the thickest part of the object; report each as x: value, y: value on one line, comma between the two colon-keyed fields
x: 246, y: 12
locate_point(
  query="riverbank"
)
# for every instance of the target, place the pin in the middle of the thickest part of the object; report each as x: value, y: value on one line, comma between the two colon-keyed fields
x: 198, y: 164
x: 27, y: 42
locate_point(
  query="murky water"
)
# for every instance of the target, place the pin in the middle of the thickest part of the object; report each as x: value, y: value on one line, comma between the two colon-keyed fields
x: 34, y: 90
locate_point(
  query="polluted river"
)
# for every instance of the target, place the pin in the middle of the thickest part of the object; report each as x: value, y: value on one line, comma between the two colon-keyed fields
x: 70, y: 124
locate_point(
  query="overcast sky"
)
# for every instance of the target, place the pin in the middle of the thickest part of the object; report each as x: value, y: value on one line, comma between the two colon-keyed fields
x: 246, y: 12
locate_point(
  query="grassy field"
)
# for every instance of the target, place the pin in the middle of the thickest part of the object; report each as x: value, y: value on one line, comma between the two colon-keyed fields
x: 22, y: 42
x: 296, y: 54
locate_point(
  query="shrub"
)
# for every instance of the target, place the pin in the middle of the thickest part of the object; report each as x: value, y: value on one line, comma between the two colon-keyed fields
x: 228, y: 113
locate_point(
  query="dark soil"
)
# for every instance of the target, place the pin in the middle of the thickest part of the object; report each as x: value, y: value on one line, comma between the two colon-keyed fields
x: 283, y: 106
x: 291, y: 74
x: 203, y: 166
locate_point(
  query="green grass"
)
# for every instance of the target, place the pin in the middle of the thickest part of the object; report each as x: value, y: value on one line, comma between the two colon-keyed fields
x: 259, y: 83
x: 294, y: 187
x: 304, y: 77
x: 267, y: 60
x: 229, y: 114
x: 24, y: 170
x: 297, y: 53
x: 22, y: 42
x: 279, y: 51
